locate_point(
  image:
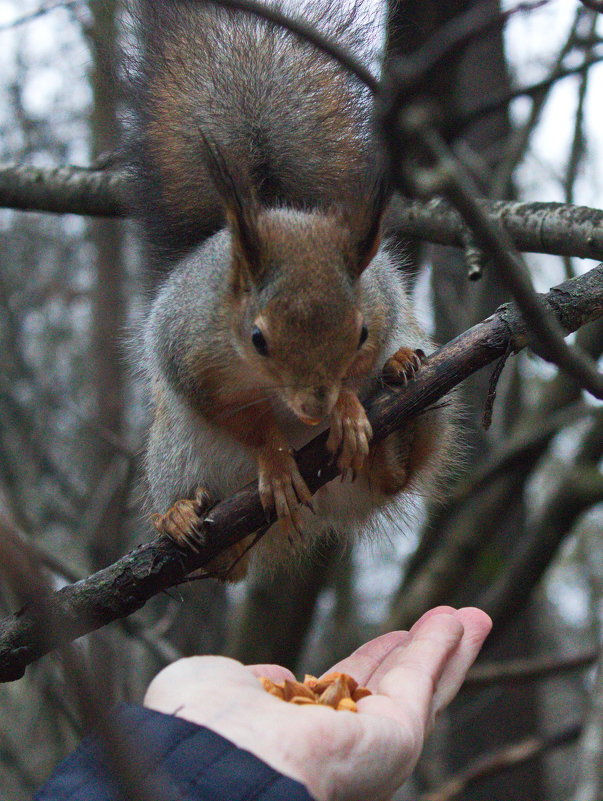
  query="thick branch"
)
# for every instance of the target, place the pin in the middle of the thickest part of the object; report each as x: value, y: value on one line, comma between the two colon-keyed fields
x: 125, y: 586
x: 557, y: 228
x: 65, y: 190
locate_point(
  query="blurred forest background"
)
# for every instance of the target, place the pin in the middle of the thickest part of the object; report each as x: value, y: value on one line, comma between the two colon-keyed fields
x: 529, y: 724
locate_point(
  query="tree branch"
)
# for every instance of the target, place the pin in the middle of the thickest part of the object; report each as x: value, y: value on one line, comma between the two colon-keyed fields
x: 559, y: 229
x: 500, y: 760
x: 556, y: 228
x: 515, y: 671
x: 125, y: 586
x: 65, y: 190
x: 445, y: 175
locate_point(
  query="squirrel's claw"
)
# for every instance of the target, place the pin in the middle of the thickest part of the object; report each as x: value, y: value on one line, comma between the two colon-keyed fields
x: 203, y: 501
x: 403, y: 365
x: 350, y: 433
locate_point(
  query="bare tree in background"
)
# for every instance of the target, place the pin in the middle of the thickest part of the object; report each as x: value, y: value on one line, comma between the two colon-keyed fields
x: 529, y: 483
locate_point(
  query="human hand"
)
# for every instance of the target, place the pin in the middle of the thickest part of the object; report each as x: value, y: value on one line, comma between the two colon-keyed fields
x: 337, y: 755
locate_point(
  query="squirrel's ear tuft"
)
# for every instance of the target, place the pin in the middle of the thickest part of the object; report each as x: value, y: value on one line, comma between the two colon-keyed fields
x: 364, y: 221
x: 242, y: 210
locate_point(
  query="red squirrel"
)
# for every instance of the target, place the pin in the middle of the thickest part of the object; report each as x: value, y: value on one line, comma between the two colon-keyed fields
x: 280, y: 303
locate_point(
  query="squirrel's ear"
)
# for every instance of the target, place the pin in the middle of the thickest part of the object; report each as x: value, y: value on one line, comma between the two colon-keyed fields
x: 241, y: 208
x: 364, y: 222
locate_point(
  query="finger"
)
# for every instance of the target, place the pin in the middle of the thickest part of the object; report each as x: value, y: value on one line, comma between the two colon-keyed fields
x: 477, y: 626
x: 411, y: 684
x: 363, y: 663
x: 275, y: 673
x: 437, y: 610
x: 392, y: 658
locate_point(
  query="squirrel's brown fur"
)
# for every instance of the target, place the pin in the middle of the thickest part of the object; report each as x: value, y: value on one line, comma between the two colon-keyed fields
x: 284, y: 114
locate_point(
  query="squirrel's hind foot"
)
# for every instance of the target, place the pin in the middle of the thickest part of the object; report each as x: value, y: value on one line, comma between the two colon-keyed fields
x: 182, y: 520
x: 181, y: 523
x: 403, y: 365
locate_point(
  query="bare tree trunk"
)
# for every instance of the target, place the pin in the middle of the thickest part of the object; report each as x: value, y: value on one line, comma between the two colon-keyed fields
x: 278, y: 611
x: 469, y: 78
x: 108, y: 318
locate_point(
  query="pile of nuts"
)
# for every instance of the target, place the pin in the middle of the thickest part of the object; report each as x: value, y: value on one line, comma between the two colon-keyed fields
x: 337, y: 690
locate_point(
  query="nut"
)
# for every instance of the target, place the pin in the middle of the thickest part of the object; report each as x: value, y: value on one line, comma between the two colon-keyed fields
x: 361, y: 692
x: 347, y: 704
x: 337, y: 690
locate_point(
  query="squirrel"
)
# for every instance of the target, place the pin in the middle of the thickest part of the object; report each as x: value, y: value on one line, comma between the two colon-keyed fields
x: 259, y: 188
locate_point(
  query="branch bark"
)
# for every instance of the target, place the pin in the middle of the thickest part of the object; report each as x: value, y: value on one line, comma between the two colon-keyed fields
x: 500, y: 760
x: 64, y: 190
x: 560, y: 229
x: 556, y: 228
x: 126, y: 585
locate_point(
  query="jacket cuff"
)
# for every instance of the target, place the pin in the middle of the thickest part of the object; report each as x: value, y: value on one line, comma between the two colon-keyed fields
x: 175, y: 759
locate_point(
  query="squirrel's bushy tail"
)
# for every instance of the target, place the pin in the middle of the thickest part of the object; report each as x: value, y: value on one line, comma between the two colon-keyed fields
x: 285, y: 117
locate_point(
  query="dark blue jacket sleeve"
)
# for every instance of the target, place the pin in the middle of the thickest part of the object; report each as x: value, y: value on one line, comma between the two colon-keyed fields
x: 182, y: 761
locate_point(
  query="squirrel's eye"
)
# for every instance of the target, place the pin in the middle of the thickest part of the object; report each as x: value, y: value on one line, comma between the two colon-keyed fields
x: 259, y: 341
x: 363, y: 336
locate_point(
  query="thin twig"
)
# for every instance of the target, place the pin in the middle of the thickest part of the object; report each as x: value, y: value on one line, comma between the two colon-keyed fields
x: 500, y: 760
x: 594, y: 5
x: 491, y: 397
x: 537, y: 90
x: 515, y: 671
x: 517, y: 144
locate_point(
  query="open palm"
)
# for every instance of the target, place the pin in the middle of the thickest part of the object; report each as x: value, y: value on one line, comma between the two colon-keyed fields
x: 339, y: 756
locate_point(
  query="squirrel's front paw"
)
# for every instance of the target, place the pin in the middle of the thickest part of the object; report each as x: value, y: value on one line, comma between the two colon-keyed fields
x: 350, y: 433
x: 281, y: 486
x: 403, y: 365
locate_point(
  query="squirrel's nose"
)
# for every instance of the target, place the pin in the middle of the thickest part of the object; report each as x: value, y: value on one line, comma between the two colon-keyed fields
x: 315, y: 407
x: 312, y: 410
x: 316, y: 404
